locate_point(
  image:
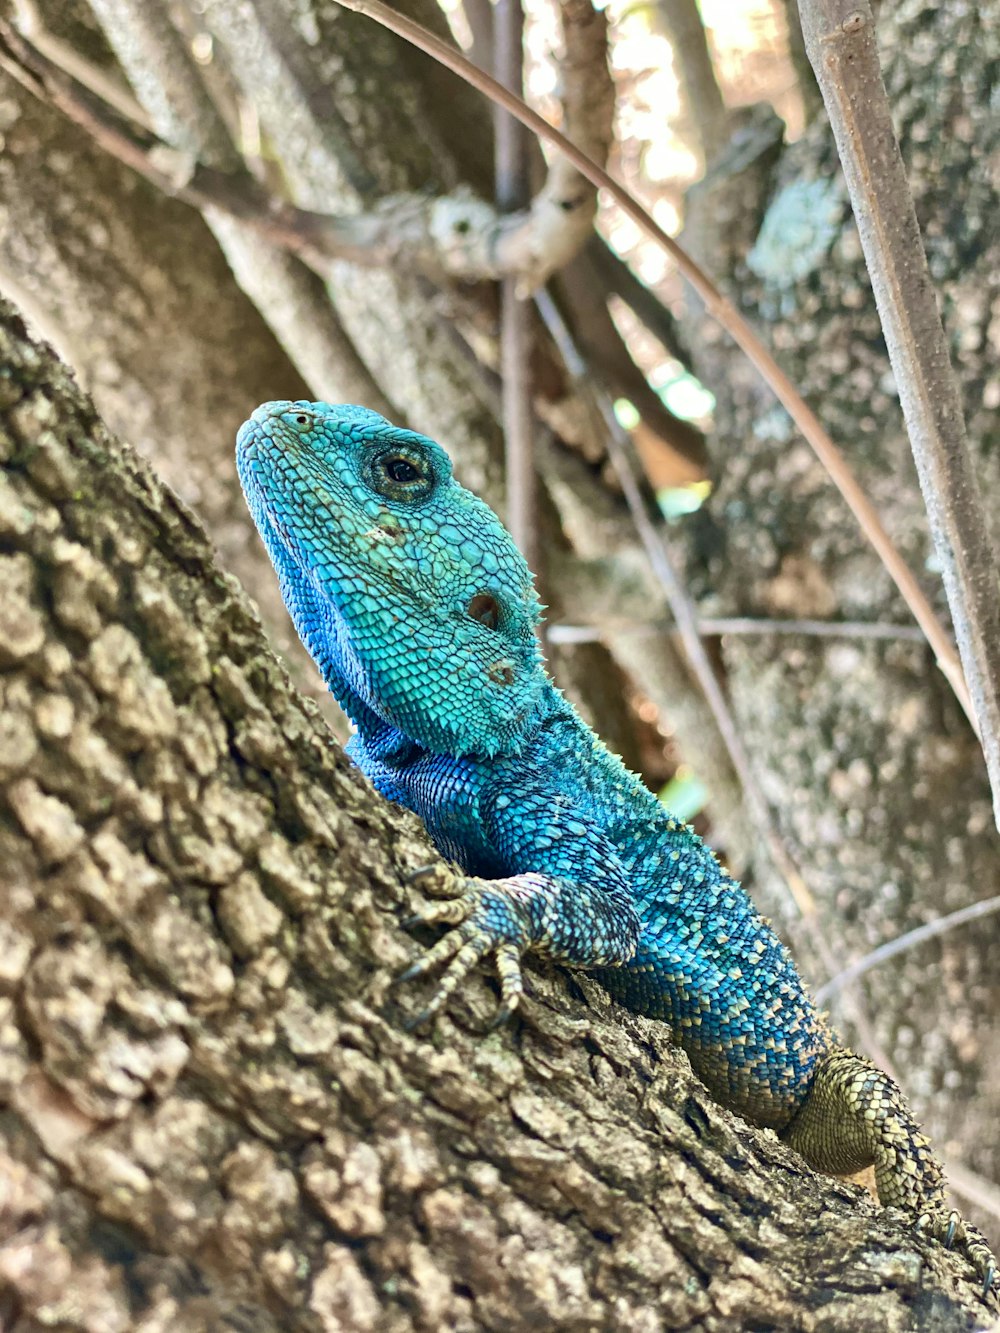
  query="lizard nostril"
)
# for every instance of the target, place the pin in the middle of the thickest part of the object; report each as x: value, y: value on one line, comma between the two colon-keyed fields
x: 485, y: 609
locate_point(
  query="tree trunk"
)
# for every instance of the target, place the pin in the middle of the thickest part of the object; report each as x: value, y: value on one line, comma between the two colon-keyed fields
x: 212, y: 1117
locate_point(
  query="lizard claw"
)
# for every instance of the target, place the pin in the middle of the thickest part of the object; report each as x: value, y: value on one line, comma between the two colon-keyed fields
x: 486, y: 921
x: 445, y: 948
x: 466, y: 956
x: 952, y: 1230
x: 411, y: 876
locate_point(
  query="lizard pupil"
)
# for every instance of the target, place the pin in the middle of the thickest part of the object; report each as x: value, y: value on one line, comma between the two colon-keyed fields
x: 484, y: 608
x: 401, y: 470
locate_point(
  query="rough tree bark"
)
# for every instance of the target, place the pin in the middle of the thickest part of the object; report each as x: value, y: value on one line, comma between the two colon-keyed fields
x: 211, y: 1115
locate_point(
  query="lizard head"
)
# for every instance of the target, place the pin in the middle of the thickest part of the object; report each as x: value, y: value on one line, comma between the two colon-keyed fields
x: 404, y: 586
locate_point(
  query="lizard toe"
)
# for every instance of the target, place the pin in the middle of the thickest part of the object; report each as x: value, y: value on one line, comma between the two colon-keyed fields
x: 511, y: 983
x: 446, y: 947
x: 486, y: 922
x: 444, y: 911
x: 951, y: 1229
x: 465, y: 954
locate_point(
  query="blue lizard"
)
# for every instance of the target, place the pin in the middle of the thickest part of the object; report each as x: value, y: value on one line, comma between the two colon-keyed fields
x: 421, y: 615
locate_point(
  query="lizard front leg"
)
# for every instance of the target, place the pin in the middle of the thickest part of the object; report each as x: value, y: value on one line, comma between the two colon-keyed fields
x: 566, y: 896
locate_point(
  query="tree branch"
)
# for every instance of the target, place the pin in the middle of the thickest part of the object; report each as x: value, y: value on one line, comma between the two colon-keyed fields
x: 695, y: 71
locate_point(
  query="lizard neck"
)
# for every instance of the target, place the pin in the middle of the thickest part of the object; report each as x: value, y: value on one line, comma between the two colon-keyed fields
x: 379, y: 741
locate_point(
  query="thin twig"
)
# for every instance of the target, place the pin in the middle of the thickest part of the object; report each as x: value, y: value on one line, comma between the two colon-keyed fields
x: 718, y: 625
x: 901, y: 943
x: 725, y: 313
x: 840, y: 40
x: 511, y: 175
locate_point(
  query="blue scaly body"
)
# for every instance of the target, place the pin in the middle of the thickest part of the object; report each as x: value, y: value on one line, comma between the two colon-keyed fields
x: 421, y: 615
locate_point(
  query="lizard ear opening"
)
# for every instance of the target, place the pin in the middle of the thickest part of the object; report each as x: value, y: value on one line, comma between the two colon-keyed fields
x: 454, y: 684
x: 486, y: 609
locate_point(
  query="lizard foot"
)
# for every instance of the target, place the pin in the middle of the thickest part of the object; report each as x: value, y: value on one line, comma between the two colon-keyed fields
x: 488, y: 919
x: 955, y: 1233
x: 855, y: 1116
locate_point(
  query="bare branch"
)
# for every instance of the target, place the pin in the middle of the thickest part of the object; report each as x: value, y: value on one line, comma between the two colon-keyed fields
x: 720, y: 625
x: 929, y: 931
x: 693, y: 65
x: 840, y: 39
x: 617, y: 277
x: 584, y: 287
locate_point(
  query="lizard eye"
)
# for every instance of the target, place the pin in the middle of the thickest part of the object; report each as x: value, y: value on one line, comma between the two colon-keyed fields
x: 400, y: 476
x: 400, y: 469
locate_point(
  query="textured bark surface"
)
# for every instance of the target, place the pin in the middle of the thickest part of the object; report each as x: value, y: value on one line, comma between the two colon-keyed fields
x: 211, y: 1115
x: 878, y: 782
